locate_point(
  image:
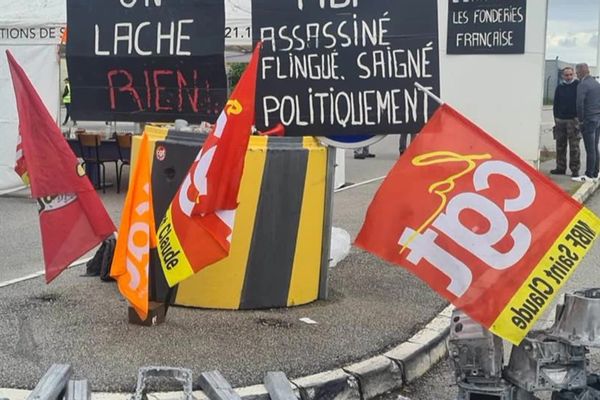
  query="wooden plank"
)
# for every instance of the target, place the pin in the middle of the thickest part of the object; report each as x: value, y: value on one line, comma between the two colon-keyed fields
x: 216, y: 387
x: 78, y: 390
x: 53, y: 383
x: 279, y: 387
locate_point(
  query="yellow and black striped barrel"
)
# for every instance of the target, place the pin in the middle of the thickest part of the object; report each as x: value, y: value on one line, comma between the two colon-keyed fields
x: 280, y: 246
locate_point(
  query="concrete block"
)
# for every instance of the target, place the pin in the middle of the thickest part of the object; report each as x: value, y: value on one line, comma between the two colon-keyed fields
x: 403, y: 351
x: 416, y: 366
x: 439, y: 323
x: 377, y: 375
x: 256, y: 392
x: 78, y: 390
x: 329, y: 385
x: 425, y: 336
x: 438, y: 351
x: 52, y: 383
x: 279, y: 387
x: 415, y: 359
x: 447, y: 312
x: 216, y: 387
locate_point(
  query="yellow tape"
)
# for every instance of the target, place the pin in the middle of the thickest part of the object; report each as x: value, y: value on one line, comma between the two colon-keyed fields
x: 173, y: 260
x: 304, y: 282
x: 546, y: 279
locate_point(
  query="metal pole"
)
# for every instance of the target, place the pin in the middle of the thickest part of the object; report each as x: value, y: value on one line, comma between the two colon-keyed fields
x: 429, y: 93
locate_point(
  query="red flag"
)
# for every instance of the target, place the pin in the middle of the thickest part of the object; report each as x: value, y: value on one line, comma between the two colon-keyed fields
x: 197, y: 227
x: 481, y: 226
x: 73, y: 219
x: 221, y: 161
x: 20, y: 167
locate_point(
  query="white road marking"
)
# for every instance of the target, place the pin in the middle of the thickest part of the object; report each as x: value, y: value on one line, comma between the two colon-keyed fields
x: 356, y: 185
x: 41, y: 273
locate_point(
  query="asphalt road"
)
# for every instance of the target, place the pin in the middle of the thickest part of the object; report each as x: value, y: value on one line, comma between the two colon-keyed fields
x: 373, y: 306
x: 82, y: 321
x: 439, y: 383
x: 20, y: 242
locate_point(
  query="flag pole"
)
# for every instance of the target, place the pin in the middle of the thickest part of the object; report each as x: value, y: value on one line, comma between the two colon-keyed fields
x: 429, y: 93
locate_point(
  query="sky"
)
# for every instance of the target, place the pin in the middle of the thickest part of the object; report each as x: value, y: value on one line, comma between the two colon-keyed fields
x: 573, y: 30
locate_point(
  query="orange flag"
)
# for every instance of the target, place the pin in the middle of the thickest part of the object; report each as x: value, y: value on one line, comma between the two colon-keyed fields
x: 131, y: 260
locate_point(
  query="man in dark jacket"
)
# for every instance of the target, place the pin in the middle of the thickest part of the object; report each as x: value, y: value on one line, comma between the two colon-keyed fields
x: 566, y: 127
x: 588, y: 113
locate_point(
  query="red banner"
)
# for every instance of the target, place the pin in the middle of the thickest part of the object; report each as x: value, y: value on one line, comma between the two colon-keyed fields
x: 479, y: 225
x: 197, y: 228
x: 73, y: 219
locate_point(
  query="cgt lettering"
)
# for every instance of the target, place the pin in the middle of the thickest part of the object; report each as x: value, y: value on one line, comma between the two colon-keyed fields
x: 423, y: 244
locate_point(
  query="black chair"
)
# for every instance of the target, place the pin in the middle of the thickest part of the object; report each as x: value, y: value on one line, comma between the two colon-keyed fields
x: 124, y: 146
x: 91, y: 153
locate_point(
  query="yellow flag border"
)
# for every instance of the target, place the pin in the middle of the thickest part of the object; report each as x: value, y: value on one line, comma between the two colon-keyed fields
x: 543, y: 284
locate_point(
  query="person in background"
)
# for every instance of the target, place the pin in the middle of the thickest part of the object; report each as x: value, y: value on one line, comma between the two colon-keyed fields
x: 66, y: 98
x: 588, y: 113
x: 566, y: 127
x: 404, y: 141
x: 362, y: 153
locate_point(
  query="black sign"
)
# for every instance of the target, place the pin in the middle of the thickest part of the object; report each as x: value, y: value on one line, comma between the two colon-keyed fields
x: 146, y: 60
x: 486, y: 26
x: 344, y: 67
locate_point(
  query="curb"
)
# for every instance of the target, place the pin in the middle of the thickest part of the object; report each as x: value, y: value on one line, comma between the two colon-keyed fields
x: 585, y: 191
x: 359, y: 381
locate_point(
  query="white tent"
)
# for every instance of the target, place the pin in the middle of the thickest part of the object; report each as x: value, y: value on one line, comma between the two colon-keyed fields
x: 31, y: 31
x: 238, y: 32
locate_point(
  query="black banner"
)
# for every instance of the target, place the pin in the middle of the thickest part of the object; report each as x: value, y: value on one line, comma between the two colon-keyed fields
x: 146, y: 60
x: 344, y: 67
x: 486, y: 26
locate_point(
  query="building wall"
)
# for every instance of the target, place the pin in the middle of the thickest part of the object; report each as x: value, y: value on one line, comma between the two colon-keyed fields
x: 501, y: 93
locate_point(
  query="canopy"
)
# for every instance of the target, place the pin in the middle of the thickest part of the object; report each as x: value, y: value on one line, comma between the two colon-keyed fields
x: 31, y: 31
x: 33, y: 12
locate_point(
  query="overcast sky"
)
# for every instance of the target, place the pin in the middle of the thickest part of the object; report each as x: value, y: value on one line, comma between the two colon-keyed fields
x: 573, y: 30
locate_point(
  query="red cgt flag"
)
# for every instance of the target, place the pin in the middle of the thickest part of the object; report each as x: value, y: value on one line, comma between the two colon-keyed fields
x: 73, y: 220
x: 479, y: 225
x: 197, y: 227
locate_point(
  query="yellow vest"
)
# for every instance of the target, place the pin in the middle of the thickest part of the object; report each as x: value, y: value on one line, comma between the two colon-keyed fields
x: 67, y: 97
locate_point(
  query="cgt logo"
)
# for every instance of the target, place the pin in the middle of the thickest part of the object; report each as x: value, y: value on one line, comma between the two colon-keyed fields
x: 138, y: 243
x: 423, y: 243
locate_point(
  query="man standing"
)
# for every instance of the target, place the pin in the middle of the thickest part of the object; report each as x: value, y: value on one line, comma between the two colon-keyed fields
x: 588, y: 112
x: 362, y: 153
x: 66, y: 98
x: 566, y: 129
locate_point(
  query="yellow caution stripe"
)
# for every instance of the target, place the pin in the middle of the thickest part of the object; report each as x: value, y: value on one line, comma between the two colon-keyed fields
x: 175, y: 265
x: 546, y: 279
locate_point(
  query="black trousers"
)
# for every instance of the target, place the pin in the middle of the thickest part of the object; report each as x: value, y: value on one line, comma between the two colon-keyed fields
x: 68, y: 108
